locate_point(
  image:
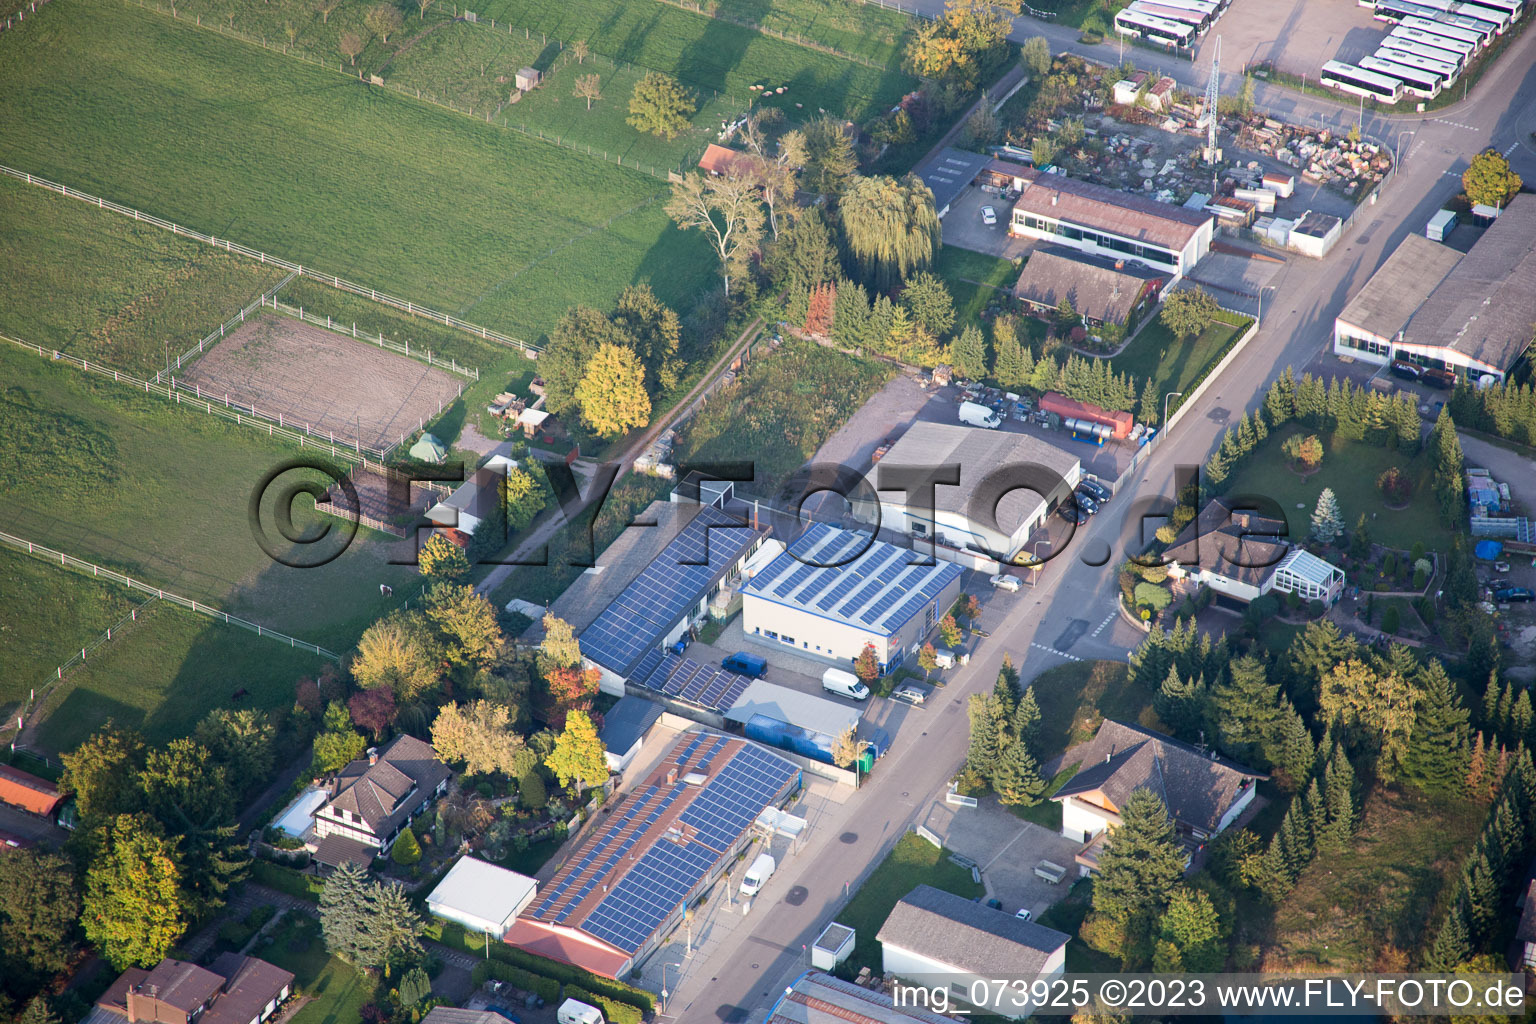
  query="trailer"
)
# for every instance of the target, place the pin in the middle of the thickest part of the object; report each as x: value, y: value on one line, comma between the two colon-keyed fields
x: 1119, y: 423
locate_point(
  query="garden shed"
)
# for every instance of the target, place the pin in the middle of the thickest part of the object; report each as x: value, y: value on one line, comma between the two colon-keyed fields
x: 528, y: 78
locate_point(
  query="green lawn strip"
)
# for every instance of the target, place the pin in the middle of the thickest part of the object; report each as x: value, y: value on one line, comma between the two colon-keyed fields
x: 1387, y: 888
x: 711, y: 55
x: 1066, y: 915
x: 164, y: 672
x: 398, y: 195
x: 1075, y: 698
x: 976, y: 281
x: 777, y: 414
x: 104, y: 288
x: 1351, y: 469
x: 1047, y: 812
x: 913, y: 861
x: 874, y: 33
x: 1175, y: 364
x: 160, y: 492
x: 51, y: 613
x: 337, y: 991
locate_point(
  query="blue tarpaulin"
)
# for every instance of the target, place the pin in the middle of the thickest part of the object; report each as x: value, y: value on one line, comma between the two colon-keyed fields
x: 1488, y: 550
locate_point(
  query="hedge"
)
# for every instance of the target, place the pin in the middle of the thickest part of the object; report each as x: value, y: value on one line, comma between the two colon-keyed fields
x: 547, y: 989
x: 614, y: 1012
x: 564, y: 973
x: 286, y: 880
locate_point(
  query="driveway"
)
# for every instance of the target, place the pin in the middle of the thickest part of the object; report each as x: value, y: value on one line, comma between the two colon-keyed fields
x: 29, y: 826
x: 1006, y: 849
x: 963, y: 226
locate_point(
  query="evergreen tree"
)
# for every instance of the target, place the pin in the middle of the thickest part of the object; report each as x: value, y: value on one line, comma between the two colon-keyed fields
x: 1142, y: 860
x: 1327, y: 522
x: 1476, y: 781
x: 1148, y: 409
x: 415, y: 986
x: 1316, y: 651
x: 986, y: 747
x: 968, y: 353
x: 1017, y: 779
x: 1217, y: 471
x: 1437, y: 748
x: 1311, y: 401
x: 1246, y: 708
x: 38, y: 1011
x: 407, y: 850
x: 1294, y: 752
x: 343, y: 913
x: 1491, y: 690
x: 1011, y: 361
x: 1520, y: 717
x: 1453, y: 942
x: 1480, y: 888
x: 1151, y: 659
x: 1026, y: 719
x: 1271, y: 875
x: 1445, y: 452
x: 1315, y: 809
x: 1193, y: 927
x: 1501, y: 722
x: 1180, y: 703
x: 1280, y: 401
x: 1339, y: 792
x: 850, y: 315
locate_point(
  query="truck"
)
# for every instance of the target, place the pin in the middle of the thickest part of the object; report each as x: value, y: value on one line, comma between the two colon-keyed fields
x: 978, y: 415
x: 574, y: 1011
x: 744, y: 664
x: 758, y: 874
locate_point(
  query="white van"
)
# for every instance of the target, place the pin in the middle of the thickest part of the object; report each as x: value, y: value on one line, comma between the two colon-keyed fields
x: 979, y: 416
x: 844, y: 684
x: 573, y: 1011
x: 757, y: 875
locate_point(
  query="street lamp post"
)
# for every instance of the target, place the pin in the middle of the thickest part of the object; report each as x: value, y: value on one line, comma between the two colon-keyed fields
x: 1165, y: 405
x: 665, y: 995
x: 1397, y: 154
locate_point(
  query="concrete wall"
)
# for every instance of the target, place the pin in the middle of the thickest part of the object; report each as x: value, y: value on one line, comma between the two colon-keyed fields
x: 820, y: 769
x: 835, y: 640
x: 1238, y: 807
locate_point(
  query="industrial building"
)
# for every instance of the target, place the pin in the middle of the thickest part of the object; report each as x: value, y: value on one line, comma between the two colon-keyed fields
x: 936, y: 937
x: 801, y: 723
x: 669, y: 595
x: 480, y: 896
x: 625, y: 886
x: 977, y: 515
x: 1428, y: 304
x: 834, y: 591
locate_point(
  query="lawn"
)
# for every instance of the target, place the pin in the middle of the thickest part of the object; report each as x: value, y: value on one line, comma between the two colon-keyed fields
x: 787, y: 402
x: 162, y: 673
x: 337, y: 992
x: 1351, y: 469
x: 1385, y: 889
x: 1074, y: 699
x: 162, y: 493
x: 50, y: 614
x: 323, y: 169
x: 1175, y: 363
x: 912, y: 862
x: 107, y: 289
x: 977, y: 280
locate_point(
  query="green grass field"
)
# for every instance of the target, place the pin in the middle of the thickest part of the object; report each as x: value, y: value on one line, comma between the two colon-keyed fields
x: 1351, y: 470
x: 312, y: 166
x: 162, y: 673
x: 337, y: 992
x: 1174, y: 363
x: 912, y: 862
x: 104, y: 288
x: 1074, y: 699
x: 134, y: 483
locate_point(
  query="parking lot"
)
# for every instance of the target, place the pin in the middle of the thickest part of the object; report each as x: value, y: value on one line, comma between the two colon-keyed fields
x: 1294, y: 35
x: 1005, y: 849
x: 963, y: 226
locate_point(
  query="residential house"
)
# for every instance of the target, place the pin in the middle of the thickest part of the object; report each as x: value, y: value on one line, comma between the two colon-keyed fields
x: 1100, y: 290
x: 1241, y: 555
x: 234, y: 989
x: 374, y: 797
x: 935, y: 937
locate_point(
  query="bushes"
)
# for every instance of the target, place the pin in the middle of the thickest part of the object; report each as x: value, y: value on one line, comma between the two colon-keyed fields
x: 614, y: 1012
x: 1391, y: 619
x: 286, y: 880
x: 547, y: 989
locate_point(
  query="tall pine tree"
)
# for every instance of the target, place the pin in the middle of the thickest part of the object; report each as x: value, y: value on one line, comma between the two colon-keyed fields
x: 1142, y: 860
x: 1437, y: 749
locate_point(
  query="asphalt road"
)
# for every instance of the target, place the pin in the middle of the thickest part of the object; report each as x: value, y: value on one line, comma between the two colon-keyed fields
x: 739, y: 979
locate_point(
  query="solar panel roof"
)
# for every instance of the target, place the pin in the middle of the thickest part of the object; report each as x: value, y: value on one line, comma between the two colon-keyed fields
x: 639, y: 618
x: 879, y: 589
x: 708, y: 686
x: 678, y: 850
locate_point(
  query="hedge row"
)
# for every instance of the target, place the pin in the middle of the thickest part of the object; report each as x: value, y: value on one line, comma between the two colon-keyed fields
x: 614, y: 1012
x: 453, y: 935
x: 547, y: 989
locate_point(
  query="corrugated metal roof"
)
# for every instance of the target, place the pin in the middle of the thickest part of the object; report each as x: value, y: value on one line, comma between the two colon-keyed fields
x: 1095, y: 287
x: 1399, y: 286
x: 968, y: 936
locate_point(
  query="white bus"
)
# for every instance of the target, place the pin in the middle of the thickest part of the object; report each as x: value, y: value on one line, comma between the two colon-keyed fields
x: 1447, y: 72
x: 1500, y: 20
x: 1156, y: 9
x: 1439, y: 28
x: 1460, y: 47
x: 1203, y: 6
x: 1158, y: 30
x: 1512, y: 8
x: 1426, y: 85
x: 1395, y: 11
x: 1361, y: 82
x: 1408, y: 44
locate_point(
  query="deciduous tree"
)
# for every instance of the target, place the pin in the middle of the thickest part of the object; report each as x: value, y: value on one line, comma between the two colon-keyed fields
x: 373, y: 710
x: 133, y: 906
x: 845, y: 749
x: 656, y: 332
x: 351, y: 45
x: 727, y: 210
x: 867, y: 665
x: 465, y: 624
x: 1489, y: 180
x: 383, y: 20
x: 242, y: 741
x: 612, y: 392
x: 103, y: 772
x: 1188, y: 311
x: 443, y: 561
x: 1035, y: 56
x: 480, y: 736
x: 397, y: 652
x: 589, y: 88
x: 661, y: 106
x: 39, y: 914
x: 578, y: 755
x: 889, y: 228
x: 823, y: 151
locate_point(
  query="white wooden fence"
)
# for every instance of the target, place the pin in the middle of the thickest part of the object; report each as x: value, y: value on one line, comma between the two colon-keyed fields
x: 423, y: 354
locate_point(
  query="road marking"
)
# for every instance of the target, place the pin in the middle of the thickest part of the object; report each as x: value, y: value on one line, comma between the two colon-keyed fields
x: 1454, y: 124
x: 1450, y: 174
x: 1512, y: 147
x: 1052, y: 650
x: 1107, y: 620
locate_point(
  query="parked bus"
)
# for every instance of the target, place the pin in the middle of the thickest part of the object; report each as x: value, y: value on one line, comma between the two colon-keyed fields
x: 1439, y: 28
x: 1153, y: 9
x: 1463, y: 50
x: 1408, y: 44
x: 1158, y: 30
x: 1426, y: 85
x: 1446, y: 71
x: 1484, y: 22
x: 1203, y: 6
x: 1512, y: 8
x: 1361, y: 82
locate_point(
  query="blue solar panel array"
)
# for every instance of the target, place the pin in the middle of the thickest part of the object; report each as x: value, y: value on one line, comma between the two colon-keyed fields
x: 708, y: 686
x: 879, y: 590
x: 639, y: 618
x: 665, y: 876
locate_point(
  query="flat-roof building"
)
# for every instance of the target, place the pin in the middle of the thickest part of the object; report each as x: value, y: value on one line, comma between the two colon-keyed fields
x: 481, y: 896
x: 625, y: 886
x: 978, y: 514
x: 817, y: 998
x: 834, y: 591
x: 950, y: 174
x: 1428, y: 304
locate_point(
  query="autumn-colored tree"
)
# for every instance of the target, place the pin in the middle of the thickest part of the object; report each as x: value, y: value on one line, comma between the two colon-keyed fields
x: 1377, y: 707
x: 949, y: 631
x: 133, y: 906
x: 481, y: 737
x: 1488, y: 180
x: 867, y: 665
x: 373, y: 710
x: 728, y: 210
x: 383, y: 20
x: 570, y: 689
x: 612, y: 392
x: 560, y: 648
x: 845, y: 749
x: 818, y: 315
x: 1306, y: 451
x: 589, y: 88
x: 465, y: 624
x: 580, y: 50
x: 103, y: 772
x: 442, y: 560
x: 927, y: 659
x: 351, y: 44
x: 396, y: 652
x: 578, y: 755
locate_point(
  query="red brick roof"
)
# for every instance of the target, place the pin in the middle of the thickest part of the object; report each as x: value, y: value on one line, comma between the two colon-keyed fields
x: 718, y: 159
x: 30, y: 793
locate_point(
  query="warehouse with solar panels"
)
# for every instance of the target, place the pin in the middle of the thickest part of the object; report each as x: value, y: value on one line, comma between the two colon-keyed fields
x: 835, y: 590
x: 669, y: 595
x: 625, y: 886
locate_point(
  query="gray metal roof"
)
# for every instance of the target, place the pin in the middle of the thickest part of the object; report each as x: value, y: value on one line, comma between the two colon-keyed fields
x: 627, y: 721
x: 817, y: 998
x: 1399, y: 286
x: 806, y: 710
x: 950, y: 173
x: 1485, y: 308
x: 968, y: 936
x: 1317, y: 225
x: 977, y: 452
